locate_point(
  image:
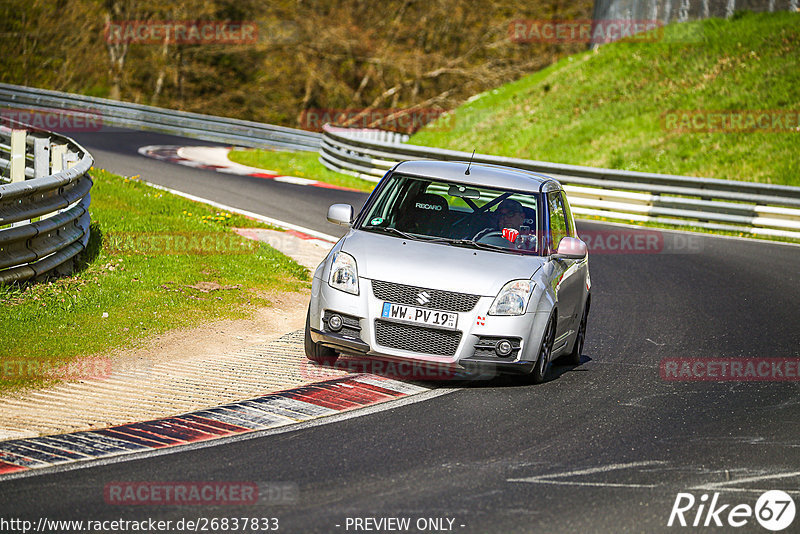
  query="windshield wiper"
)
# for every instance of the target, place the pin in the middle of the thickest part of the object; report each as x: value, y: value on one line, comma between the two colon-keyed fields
x: 390, y: 230
x: 473, y: 244
x: 486, y: 246
x: 435, y: 239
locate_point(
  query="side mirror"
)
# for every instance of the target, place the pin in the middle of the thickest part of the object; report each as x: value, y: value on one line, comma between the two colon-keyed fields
x: 340, y: 214
x: 571, y: 248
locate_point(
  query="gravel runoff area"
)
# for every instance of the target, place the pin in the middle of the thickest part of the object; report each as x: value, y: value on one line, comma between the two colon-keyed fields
x: 184, y: 370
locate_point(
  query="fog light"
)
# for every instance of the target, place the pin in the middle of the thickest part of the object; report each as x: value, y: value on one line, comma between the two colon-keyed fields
x: 335, y: 322
x: 503, y: 348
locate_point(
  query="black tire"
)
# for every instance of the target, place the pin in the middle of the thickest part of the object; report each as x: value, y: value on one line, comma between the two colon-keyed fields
x: 574, y: 357
x: 316, y: 352
x: 542, y: 364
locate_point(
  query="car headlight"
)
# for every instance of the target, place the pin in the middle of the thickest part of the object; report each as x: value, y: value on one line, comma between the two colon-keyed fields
x: 513, y: 298
x: 344, y: 274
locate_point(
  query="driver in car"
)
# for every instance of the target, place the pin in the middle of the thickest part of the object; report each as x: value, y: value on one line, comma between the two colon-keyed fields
x: 510, y: 219
x: 509, y: 216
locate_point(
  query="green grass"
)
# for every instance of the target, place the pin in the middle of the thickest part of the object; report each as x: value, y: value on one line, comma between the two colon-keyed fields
x: 302, y: 164
x: 605, y: 108
x: 120, y: 297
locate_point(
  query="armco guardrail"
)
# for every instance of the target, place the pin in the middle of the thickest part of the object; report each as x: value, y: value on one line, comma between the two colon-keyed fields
x: 759, y: 209
x: 139, y: 117
x: 44, y: 202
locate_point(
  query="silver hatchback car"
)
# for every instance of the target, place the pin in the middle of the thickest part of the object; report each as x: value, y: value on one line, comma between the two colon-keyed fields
x: 462, y: 266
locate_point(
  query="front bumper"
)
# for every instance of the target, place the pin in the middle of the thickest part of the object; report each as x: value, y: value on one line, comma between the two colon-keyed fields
x: 473, y: 350
x: 377, y: 362
x: 340, y: 342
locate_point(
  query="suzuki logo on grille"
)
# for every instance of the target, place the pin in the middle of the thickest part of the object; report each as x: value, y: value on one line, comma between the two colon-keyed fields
x: 423, y: 297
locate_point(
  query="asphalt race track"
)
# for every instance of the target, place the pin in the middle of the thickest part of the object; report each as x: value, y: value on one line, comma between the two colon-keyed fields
x: 602, y: 447
x: 115, y: 149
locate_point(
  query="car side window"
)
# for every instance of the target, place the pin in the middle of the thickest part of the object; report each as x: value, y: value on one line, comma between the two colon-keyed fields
x: 558, y: 221
x: 568, y: 216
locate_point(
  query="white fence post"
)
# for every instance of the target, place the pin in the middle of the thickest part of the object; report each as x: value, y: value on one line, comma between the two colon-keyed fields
x: 57, y: 153
x: 70, y: 159
x: 58, y: 162
x: 17, y: 163
x: 41, y: 157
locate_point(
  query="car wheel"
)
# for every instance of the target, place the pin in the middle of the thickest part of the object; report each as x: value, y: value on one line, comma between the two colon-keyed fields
x: 316, y: 352
x: 574, y: 357
x: 543, y: 361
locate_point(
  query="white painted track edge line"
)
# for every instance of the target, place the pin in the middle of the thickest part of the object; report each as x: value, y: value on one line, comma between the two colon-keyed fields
x: 253, y: 215
x: 725, y: 484
x: 593, y: 470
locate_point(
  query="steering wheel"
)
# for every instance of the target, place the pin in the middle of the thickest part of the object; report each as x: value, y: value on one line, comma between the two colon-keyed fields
x: 483, y: 235
x: 495, y: 237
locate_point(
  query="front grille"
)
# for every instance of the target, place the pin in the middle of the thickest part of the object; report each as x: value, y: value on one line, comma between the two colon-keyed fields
x: 350, y: 325
x: 416, y: 338
x: 439, y: 300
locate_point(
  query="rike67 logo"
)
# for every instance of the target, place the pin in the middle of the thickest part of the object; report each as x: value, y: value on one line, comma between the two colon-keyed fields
x: 774, y: 510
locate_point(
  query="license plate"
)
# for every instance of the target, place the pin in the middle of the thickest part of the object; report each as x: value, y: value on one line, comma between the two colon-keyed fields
x: 411, y: 314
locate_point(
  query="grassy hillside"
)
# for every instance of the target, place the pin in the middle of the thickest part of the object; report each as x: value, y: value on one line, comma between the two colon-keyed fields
x: 606, y: 108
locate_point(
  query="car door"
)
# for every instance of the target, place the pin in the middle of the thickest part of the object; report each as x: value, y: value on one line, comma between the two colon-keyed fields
x: 567, y: 282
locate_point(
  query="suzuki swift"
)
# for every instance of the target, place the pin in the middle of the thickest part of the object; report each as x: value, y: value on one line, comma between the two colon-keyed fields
x: 458, y: 265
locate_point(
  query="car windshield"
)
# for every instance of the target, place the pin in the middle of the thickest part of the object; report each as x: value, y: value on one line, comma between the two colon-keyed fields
x: 458, y: 214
